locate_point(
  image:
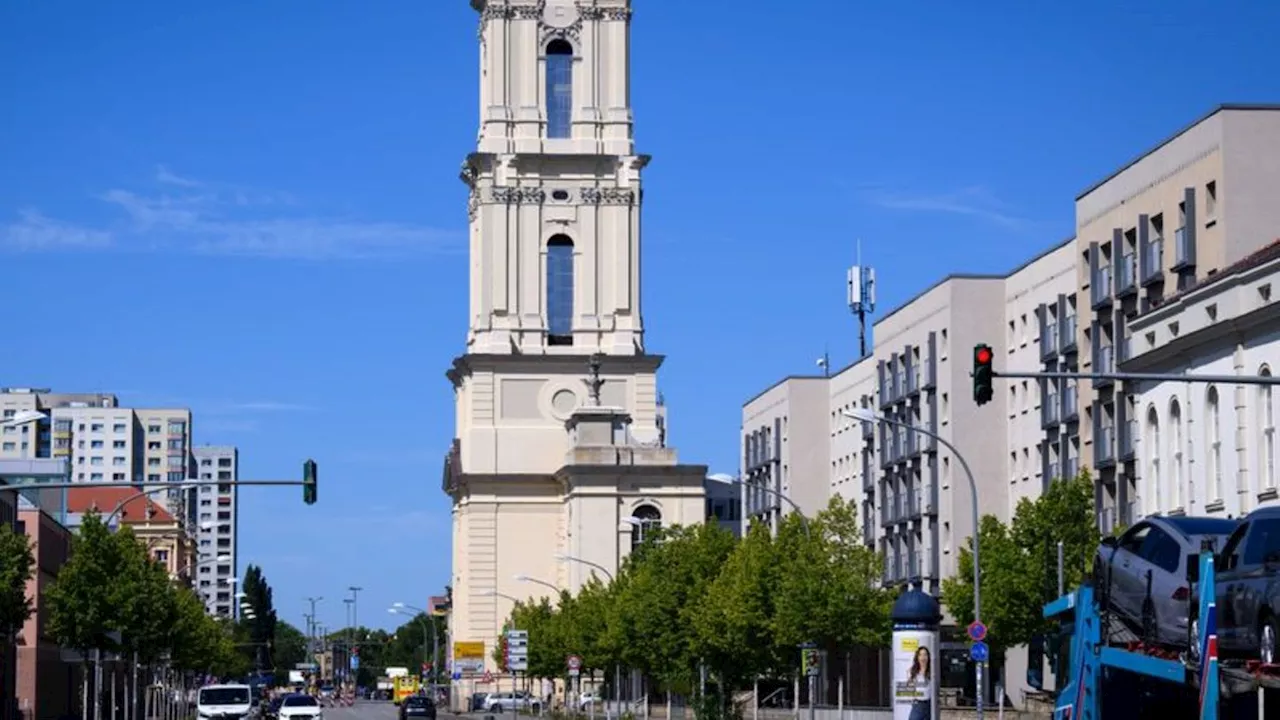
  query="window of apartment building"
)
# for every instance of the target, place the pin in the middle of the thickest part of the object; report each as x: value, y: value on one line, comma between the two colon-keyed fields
x: 95, y: 461
x: 1153, y: 459
x: 153, y: 477
x: 96, y: 445
x: 177, y: 427
x: 224, y: 489
x: 224, y: 516
x: 1213, y: 442
x: 1211, y: 202
x: 153, y: 445
x: 10, y: 445
x: 205, y: 462
x: 224, y: 474
x: 206, y: 476
x: 162, y: 556
x: 118, y: 477
x: 224, y: 462
x: 206, y: 516
x: 118, y: 461
x: 153, y: 462
x: 1175, y: 451
x: 95, y: 477
x: 177, y: 476
x: 153, y: 428
x: 119, y: 427
x: 1267, y: 428
x: 176, y: 444
x: 95, y: 427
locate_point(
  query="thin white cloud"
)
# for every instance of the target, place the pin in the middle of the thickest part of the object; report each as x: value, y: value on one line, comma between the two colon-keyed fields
x: 182, y: 214
x: 976, y: 202
x: 266, y: 406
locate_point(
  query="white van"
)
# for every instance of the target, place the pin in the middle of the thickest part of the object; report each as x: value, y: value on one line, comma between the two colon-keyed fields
x: 224, y: 702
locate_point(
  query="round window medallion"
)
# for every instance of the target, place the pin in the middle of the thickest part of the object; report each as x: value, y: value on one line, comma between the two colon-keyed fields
x: 564, y: 402
x: 559, y: 14
x: 559, y: 194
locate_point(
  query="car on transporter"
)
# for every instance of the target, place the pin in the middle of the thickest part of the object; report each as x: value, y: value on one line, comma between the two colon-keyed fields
x: 1141, y: 575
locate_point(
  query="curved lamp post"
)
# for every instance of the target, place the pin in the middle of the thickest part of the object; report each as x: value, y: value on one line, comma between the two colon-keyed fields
x: 731, y: 480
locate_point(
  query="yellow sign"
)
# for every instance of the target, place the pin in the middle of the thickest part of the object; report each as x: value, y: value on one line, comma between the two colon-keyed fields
x: 910, y: 644
x: 468, y: 651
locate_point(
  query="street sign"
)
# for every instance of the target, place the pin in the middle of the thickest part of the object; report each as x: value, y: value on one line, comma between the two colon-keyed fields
x: 979, y: 652
x: 575, y: 665
x: 811, y: 662
x: 977, y: 631
x: 456, y: 676
x: 488, y: 677
x: 517, y: 650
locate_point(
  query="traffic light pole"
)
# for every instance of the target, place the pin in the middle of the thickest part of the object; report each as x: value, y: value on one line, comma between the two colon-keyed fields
x: 1144, y: 377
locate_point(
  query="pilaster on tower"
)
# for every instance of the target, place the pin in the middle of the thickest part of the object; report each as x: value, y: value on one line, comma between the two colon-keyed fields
x: 555, y: 76
x: 555, y: 184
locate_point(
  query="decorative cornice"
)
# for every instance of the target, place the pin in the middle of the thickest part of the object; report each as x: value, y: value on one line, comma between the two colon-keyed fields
x: 608, y: 196
x: 518, y: 195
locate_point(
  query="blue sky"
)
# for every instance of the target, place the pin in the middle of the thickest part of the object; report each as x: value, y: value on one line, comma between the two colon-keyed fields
x: 252, y: 209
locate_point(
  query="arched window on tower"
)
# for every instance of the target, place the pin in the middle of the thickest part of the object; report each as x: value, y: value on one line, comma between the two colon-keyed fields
x: 559, y: 89
x: 560, y: 290
x: 648, y: 519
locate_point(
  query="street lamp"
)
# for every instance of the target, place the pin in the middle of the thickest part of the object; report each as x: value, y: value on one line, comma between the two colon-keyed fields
x: 869, y: 415
x: 617, y: 669
x: 731, y: 480
x: 400, y: 609
x: 536, y: 581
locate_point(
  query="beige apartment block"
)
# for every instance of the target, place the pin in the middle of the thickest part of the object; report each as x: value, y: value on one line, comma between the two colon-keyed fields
x: 33, y: 438
x: 768, y: 462
x: 1197, y: 203
x: 561, y: 445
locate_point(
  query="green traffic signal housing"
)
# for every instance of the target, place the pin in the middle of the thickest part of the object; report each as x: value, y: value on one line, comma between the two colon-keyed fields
x: 983, y: 373
x: 309, y: 477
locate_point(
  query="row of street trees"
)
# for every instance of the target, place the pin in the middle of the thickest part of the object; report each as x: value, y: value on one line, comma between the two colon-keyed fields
x: 695, y: 596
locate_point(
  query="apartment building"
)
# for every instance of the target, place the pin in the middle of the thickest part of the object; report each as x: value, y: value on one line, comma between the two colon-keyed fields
x: 47, y: 683
x: 216, y: 528
x: 1180, y: 213
x: 793, y: 408
x: 28, y: 412
x: 1208, y: 449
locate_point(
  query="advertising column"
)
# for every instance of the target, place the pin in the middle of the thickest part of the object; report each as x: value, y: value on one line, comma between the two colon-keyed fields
x: 916, y: 617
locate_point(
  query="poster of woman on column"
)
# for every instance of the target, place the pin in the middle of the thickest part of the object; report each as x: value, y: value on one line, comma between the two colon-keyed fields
x: 914, y: 675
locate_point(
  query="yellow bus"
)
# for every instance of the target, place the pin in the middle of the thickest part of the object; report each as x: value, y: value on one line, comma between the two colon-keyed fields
x: 403, y: 687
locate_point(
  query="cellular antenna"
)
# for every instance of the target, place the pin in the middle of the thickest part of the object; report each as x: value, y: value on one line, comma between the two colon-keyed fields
x: 861, y: 282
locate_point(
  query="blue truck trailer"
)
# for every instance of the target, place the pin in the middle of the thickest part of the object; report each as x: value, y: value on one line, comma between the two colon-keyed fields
x: 1105, y: 672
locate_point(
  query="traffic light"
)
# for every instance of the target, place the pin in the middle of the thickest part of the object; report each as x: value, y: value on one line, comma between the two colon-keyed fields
x: 983, y: 373
x: 309, y: 478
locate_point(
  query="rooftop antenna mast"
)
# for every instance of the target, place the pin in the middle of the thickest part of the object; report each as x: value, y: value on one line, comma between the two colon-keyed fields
x: 861, y: 282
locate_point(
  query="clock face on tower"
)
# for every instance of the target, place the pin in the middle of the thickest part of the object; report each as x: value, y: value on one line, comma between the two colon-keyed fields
x: 559, y: 14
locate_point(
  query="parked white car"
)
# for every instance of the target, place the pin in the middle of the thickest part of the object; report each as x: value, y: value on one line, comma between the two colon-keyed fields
x: 224, y: 702
x: 506, y: 702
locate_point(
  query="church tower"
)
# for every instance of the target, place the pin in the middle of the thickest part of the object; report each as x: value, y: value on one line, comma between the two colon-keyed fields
x: 560, y: 460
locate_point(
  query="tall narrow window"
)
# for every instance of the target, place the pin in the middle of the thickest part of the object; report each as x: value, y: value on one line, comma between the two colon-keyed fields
x: 1213, y: 442
x: 560, y: 290
x: 1267, y: 426
x: 1153, y: 458
x: 1175, y: 453
x: 559, y: 89
x: 645, y: 520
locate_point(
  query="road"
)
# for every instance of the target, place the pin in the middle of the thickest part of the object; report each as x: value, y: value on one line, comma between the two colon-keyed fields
x: 370, y: 711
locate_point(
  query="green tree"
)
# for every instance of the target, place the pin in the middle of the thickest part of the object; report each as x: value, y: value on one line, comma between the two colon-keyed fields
x: 17, y: 565
x: 734, y: 622
x: 82, y: 608
x: 659, y: 598
x: 262, y: 628
x: 290, y: 648
x: 583, y: 621
x: 828, y: 592
x: 1019, y: 566
x: 144, y: 599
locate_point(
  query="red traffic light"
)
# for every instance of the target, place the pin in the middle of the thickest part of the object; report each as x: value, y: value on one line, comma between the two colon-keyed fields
x: 983, y: 356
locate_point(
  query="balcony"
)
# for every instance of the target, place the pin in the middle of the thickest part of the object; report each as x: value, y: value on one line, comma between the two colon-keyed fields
x: 911, y: 508
x: 1125, y: 349
x: 1048, y: 339
x: 1071, y: 467
x: 930, y: 377
x: 1127, y: 275
x: 1104, y: 361
x: 912, y: 380
x: 868, y: 531
x: 1100, y: 287
x: 1050, y: 410
x: 914, y: 565
x: 1067, y: 334
x: 1104, y: 445
x: 927, y: 499
x: 1106, y: 520
x: 911, y: 444
x: 1070, y: 403
x: 1128, y: 439
x: 1153, y: 262
x: 1184, y: 249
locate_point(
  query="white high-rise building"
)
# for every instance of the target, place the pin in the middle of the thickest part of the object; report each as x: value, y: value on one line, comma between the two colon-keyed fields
x: 216, y: 528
